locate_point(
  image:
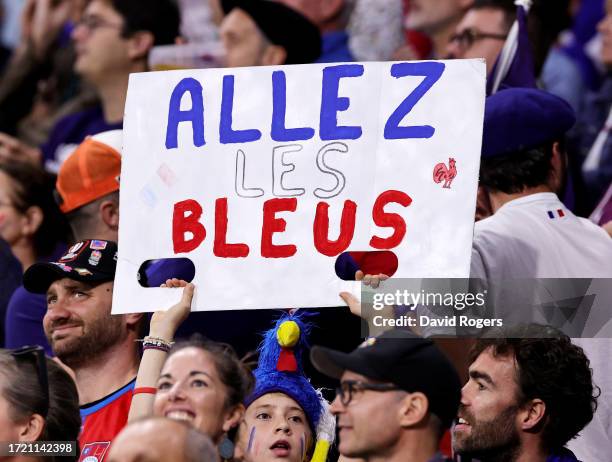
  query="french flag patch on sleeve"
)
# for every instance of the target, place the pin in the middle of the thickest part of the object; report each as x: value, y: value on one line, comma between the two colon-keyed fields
x: 552, y: 214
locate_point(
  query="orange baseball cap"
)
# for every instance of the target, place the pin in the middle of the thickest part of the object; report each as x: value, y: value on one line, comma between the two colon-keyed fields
x: 91, y: 171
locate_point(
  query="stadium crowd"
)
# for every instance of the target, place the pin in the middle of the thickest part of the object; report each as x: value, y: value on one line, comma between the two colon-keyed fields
x: 182, y: 386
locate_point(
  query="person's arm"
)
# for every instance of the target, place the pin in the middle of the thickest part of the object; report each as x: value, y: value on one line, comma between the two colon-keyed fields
x: 41, y: 24
x: 163, y: 326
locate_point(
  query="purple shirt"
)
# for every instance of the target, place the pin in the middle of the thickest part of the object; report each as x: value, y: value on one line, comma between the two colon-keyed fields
x: 69, y: 132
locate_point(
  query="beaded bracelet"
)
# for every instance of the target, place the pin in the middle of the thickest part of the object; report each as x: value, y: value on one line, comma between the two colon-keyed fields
x: 155, y: 343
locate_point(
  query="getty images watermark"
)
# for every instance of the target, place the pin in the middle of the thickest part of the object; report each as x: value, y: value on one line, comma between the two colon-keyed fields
x: 473, y: 307
x: 404, y: 300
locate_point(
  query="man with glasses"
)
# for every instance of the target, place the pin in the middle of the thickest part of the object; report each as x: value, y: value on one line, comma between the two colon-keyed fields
x: 112, y: 40
x: 398, y: 395
x: 483, y: 30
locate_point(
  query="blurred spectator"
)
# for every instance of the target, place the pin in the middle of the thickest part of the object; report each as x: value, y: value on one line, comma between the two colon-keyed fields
x: 197, y: 21
x: 437, y: 19
x: 36, y: 230
x: 161, y: 440
x: 265, y: 33
x: 5, y: 53
x: 591, y: 137
x: 30, y: 220
x: 88, y: 187
x: 531, y: 234
x: 380, y: 390
x: 39, y: 400
x: 331, y: 17
x: 483, y: 31
x: 112, y: 40
x: 100, y: 348
x: 39, y: 80
x: 375, y: 29
x: 10, y: 279
x: 539, y: 395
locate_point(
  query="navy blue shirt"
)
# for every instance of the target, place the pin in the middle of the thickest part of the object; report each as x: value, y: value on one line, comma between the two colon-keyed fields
x: 10, y: 278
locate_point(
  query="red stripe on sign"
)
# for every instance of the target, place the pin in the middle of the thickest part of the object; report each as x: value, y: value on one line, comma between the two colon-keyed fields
x: 560, y: 212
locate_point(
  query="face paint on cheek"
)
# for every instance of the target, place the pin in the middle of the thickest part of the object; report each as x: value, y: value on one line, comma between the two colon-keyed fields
x: 302, y: 445
x: 251, y: 436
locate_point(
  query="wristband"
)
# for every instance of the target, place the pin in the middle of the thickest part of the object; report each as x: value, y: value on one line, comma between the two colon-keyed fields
x: 147, y: 390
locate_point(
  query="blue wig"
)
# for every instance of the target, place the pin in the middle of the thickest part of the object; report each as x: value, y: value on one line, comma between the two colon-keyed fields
x: 280, y: 367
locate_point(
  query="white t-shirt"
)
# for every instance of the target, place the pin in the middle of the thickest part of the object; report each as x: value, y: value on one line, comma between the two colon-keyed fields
x: 537, y: 237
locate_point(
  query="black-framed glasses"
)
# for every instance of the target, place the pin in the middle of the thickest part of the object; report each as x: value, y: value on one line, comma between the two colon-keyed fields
x: 348, y: 388
x: 36, y: 355
x: 467, y: 37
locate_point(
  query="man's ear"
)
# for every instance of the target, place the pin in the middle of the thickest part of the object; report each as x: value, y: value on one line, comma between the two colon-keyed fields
x: 33, y: 218
x: 558, y: 164
x: 32, y: 429
x: 413, y: 409
x: 140, y: 43
x: 532, y: 415
x: 274, y: 55
x: 109, y: 213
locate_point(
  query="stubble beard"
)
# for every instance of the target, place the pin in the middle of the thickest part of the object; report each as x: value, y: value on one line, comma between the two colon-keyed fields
x: 97, y: 337
x: 495, y: 440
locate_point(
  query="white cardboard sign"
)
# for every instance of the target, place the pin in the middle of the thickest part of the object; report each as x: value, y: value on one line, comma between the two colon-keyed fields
x: 248, y: 171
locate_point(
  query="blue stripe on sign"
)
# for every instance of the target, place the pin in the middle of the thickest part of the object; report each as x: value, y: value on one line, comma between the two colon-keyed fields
x: 550, y: 214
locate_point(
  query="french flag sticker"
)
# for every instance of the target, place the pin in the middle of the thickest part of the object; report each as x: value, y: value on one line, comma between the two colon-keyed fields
x: 552, y: 214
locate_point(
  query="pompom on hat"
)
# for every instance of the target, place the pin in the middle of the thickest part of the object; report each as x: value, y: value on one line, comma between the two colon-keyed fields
x: 280, y: 367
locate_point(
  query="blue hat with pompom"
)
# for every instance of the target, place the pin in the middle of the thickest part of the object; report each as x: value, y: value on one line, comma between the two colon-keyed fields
x: 280, y: 367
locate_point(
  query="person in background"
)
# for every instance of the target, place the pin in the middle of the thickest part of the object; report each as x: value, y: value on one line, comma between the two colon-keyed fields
x: 331, y: 17
x: 38, y: 401
x: 266, y: 33
x: 112, y: 40
x: 88, y: 191
x: 35, y: 230
x: 483, y: 31
x: 437, y: 19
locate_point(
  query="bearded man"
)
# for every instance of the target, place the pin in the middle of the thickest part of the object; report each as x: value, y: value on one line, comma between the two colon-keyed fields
x: 529, y: 392
x: 100, y: 348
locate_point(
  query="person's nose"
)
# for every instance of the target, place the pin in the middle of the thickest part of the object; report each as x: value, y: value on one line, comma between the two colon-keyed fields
x: 336, y: 406
x: 176, y: 392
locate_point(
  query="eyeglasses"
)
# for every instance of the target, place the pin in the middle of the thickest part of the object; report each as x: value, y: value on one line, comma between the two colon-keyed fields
x: 92, y: 23
x: 348, y: 388
x: 467, y: 37
x: 36, y: 355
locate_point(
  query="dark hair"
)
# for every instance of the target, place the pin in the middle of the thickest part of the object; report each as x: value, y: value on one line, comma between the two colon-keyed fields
x: 552, y: 369
x: 34, y: 187
x: 514, y: 172
x: 234, y: 374
x: 22, y: 391
x: 506, y: 6
x: 160, y: 17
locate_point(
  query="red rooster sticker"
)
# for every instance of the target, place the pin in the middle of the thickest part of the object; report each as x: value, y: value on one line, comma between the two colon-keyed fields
x: 443, y: 173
